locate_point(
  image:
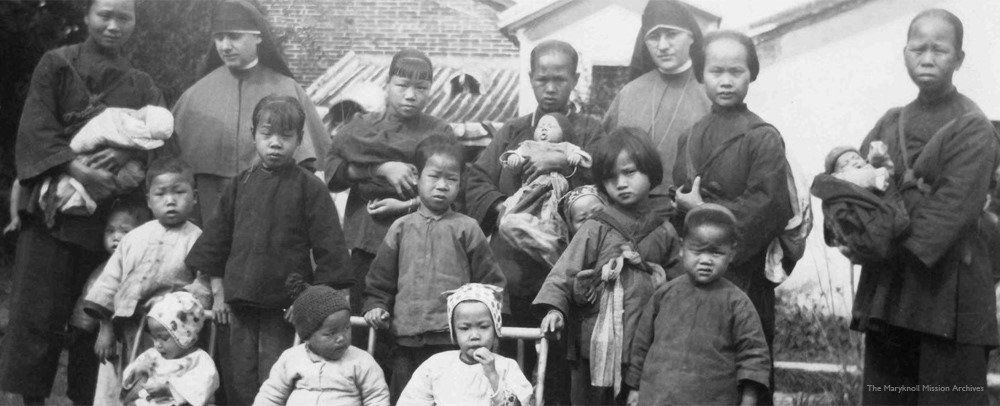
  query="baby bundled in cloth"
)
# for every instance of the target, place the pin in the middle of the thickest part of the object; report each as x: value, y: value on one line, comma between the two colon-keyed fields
x: 864, y: 211
x: 143, y: 129
x: 174, y: 371
x: 531, y: 219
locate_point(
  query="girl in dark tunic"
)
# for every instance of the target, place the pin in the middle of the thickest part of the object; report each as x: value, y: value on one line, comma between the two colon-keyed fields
x: 735, y: 159
x: 52, y: 263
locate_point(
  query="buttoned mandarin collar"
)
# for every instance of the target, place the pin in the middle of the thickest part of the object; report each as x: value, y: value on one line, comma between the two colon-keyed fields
x: 430, y: 216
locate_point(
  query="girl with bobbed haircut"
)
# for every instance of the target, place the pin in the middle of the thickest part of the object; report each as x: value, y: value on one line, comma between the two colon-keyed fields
x: 698, y: 54
x: 633, y: 141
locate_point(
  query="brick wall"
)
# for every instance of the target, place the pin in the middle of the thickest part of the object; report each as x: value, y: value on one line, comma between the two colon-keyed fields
x: 315, y: 33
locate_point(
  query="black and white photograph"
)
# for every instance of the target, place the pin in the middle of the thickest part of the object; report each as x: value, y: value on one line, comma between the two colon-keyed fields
x: 499, y: 202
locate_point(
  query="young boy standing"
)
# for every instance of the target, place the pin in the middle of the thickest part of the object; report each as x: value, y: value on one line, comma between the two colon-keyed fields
x: 424, y: 254
x: 146, y: 264
x: 734, y: 158
x: 273, y: 221
x: 699, y: 340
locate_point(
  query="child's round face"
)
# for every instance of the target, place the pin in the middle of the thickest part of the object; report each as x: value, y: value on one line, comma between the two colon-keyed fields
x: 406, y: 97
x: 628, y: 187
x: 171, y: 198
x: 548, y: 130
x: 706, y: 253
x: 119, y: 224
x: 333, y: 337
x: 275, y: 147
x: 163, y: 341
x: 473, y: 327
x: 439, y: 182
x: 727, y: 76
x: 582, y: 209
x: 849, y: 160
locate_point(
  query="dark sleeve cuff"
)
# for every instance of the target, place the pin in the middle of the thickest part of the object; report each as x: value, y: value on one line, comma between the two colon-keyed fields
x: 336, y: 179
x: 97, y: 311
x: 632, y: 378
x: 28, y: 172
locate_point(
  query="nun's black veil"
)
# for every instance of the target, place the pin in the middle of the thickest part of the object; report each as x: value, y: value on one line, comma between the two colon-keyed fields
x: 658, y: 12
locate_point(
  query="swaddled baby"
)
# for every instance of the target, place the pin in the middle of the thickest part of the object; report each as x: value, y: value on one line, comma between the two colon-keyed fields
x: 143, y: 129
x: 863, y: 211
x: 531, y: 220
x: 548, y: 137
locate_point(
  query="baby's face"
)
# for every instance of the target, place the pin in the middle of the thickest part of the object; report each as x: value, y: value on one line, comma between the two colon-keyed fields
x: 548, y: 130
x: 119, y: 224
x: 163, y: 341
x: 582, y: 209
x: 850, y: 160
x: 333, y: 337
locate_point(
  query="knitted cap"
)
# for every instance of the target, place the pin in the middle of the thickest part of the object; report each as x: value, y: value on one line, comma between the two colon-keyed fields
x: 313, y: 306
x: 478, y: 292
x: 236, y: 16
x: 831, y: 159
x: 411, y: 64
x: 181, y: 314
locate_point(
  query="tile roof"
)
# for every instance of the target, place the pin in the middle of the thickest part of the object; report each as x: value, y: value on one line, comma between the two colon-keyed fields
x: 351, y: 77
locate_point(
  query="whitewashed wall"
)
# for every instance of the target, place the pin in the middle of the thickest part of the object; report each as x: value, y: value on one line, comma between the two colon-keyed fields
x: 830, y: 83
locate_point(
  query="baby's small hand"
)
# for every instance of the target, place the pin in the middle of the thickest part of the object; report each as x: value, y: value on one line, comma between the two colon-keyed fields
x: 514, y: 160
x: 573, y: 159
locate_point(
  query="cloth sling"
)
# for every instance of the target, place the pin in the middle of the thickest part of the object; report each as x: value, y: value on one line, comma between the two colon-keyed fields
x: 789, y: 247
x: 607, y: 340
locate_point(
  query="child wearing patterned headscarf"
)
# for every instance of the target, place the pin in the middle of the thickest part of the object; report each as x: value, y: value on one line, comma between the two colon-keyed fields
x: 472, y: 375
x: 174, y: 371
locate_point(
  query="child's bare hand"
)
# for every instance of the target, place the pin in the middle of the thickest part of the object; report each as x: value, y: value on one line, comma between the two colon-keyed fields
x: 552, y: 323
x: 221, y: 311
x: 487, y: 359
x: 633, y: 398
x: 104, y: 346
x: 378, y: 318
x: 692, y: 199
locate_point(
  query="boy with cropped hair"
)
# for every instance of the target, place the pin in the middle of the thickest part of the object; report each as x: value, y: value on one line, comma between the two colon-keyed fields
x: 424, y: 254
x: 671, y: 361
